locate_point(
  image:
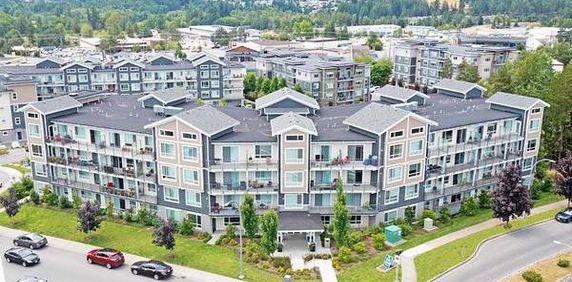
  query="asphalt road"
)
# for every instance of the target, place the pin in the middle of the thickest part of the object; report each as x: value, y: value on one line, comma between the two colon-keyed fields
x: 505, y: 255
x: 59, y: 265
x: 15, y: 155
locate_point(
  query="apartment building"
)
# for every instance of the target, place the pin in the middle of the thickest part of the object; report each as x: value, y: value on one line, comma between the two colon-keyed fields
x: 182, y: 159
x: 203, y: 75
x: 422, y: 62
x: 329, y: 80
x: 15, y: 92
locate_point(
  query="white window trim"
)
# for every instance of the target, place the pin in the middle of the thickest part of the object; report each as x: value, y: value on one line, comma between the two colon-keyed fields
x: 301, y: 206
x: 396, y: 180
x: 420, y: 169
x: 286, y: 138
x: 162, y: 133
x: 36, y: 171
x: 391, y: 211
x: 535, y: 111
x: 405, y: 192
x: 422, y: 147
x: 195, y: 160
x: 260, y: 156
x: 539, y: 125
x: 163, y: 155
x: 402, y: 151
x: 171, y: 200
x: 192, y: 204
x: 293, y: 186
x: 296, y: 162
x: 385, y: 198
x: 535, y: 146
x: 418, y: 133
x: 168, y: 178
x: 397, y: 137
x: 191, y: 170
x: 196, y: 136
x: 34, y: 135
x: 178, y: 211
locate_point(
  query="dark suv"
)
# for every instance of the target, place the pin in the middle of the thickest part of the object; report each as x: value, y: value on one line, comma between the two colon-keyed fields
x: 109, y: 257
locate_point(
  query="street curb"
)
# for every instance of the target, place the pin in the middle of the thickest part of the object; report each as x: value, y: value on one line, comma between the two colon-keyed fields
x: 535, y: 262
x: 479, y: 247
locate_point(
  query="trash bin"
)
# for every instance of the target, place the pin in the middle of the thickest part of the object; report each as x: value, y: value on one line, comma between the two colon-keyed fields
x: 392, y: 234
x: 327, y: 243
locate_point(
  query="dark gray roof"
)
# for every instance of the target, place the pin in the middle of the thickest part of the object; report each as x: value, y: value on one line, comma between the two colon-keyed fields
x: 252, y: 127
x: 376, y: 118
x: 515, y: 101
x: 456, y: 85
x: 53, y: 105
x: 28, y: 69
x: 123, y: 113
x: 330, y: 124
x: 291, y: 120
x: 166, y: 96
x: 450, y: 112
x: 299, y: 221
x: 183, y: 65
x: 286, y: 93
x: 398, y: 93
x: 208, y: 119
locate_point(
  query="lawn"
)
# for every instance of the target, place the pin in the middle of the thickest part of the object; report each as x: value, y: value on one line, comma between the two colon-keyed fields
x: 438, y: 260
x: 548, y: 268
x: 136, y: 240
x: 547, y: 198
x: 17, y: 167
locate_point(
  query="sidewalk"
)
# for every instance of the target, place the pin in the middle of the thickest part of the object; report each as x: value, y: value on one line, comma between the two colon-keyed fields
x: 408, y: 272
x: 179, y: 271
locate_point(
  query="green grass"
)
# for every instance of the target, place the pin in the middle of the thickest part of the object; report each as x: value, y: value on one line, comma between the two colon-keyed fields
x: 438, y: 260
x: 135, y: 240
x: 17, y: 167
x: 367, y: 271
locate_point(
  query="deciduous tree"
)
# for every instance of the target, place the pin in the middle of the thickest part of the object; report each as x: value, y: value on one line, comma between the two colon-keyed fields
x: 468, y: 72
x: 341, y: 220
x: 563, y: 181
x: 164, y: 234
x: 249, y: 217
x: 511, y: 199
x: 380, y: 72
x: 447, y: 70
x: 10, y: 203
x: 88, y: 218
x: 269, y: 231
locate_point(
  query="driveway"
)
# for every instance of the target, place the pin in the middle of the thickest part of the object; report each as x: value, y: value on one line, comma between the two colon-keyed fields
x: 15, y: 155
x: 507, y: 254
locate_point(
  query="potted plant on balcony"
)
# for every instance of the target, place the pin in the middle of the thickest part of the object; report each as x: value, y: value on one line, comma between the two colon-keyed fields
x: 312, y: 246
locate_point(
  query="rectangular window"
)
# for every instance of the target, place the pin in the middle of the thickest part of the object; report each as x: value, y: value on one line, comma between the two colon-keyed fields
x: 14, y: 96
x: 416, y: 147
x: 531, y: 146
x: 167, y: 150
x: 169, y: 172
x: 230, y: 154
x: 394, y: 174
x: 447, y: 136
x: 189, y: 136
x: 263, y: 176
x: 355, y: 152
x: 534, y: 125
x: 171, y: 194
x: 355, y: 219
x: 491, y: 129
x: 535, y: 111
x: 293, y: 200
x: 84, y: 174
x: 396, y: 134
x: 390, y: 216
x: 323, y: 200
x: 37, y: 150
x: 416, y: 130
x: 193, y: 198
x: 190, y: 153
x: 191, y: 176
x: 411, y: 191
x: 294, y: 179
x: 231, y: 221
x: 124, y: 87
x: 395, y: 151
x: 33, y: 130
x: 414, y: 170
x: 173, y: 214
x: 197, y: 219
x: 40, y: 169
x: 294, y: 156
x: 123, y: 69
x: 167, y: 133
x: 262, y: 151
x: 32, y: 115
x: 391, y: 196
x: 70, y: 71
x: 294, y: 138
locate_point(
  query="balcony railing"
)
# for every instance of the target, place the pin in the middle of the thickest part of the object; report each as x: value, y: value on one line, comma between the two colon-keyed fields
x: 128, y: 193
x: 252, y: 187
x: 462, y: 187
x: 346, y: 162
x: 365, y: 209
x: 472, y: 143
x: 94, y: 167
x: 265, y: 164
x: 101, y: 147
x: 348, y: 187
x: 486, y: 160
x: 233, y: 209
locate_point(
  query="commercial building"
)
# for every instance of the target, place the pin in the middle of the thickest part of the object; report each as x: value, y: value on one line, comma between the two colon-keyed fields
x: 422, y: 62
x: 329, y: 80
x: 181, y: 159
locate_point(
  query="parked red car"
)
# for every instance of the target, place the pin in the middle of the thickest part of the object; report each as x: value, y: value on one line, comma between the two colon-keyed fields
x: 109, y: 257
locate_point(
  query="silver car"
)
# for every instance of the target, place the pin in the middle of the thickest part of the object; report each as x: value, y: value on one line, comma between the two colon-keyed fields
x: 31, y: 240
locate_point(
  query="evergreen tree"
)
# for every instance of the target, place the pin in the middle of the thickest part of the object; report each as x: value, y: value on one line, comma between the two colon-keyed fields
x: 269, y: 231
x: 341, y: 220
x: 511, y: 199
x: 468, y: 72
x: 298, y: 88
x: 249, y: 217
x: 447, y: 70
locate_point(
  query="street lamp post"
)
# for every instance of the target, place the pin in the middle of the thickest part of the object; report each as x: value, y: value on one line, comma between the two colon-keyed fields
x: 241, y: 274
x: 533, y: 168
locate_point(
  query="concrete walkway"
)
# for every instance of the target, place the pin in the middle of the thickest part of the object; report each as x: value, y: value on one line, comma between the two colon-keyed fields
x: 409, y: 273
x: 214, y: 237
x: 179, y: 271
x: 327, y: 271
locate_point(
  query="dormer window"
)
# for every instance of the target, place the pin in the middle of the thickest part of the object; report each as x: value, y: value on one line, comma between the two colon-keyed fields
x: 535, y: 111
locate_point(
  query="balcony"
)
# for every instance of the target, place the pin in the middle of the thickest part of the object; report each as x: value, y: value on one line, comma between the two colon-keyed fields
x: 462, y: 187
x: 253, y: 187
x: 346, y: 162
x: 266, y: 164
x: 487, y: 160
x: 232, y: 209
x: 94, y: 167
x: 145, y: 153
x: 471, y: 144
x: 348, y: 188
x: 129, y: 193
x: 365, y: 209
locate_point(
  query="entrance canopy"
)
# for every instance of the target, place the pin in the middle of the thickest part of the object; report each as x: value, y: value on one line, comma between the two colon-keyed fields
x: 299, y: 221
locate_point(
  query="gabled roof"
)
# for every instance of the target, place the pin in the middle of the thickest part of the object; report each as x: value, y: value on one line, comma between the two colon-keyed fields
x: 286, y: 93
x: 85, y: 65
x: 378, y: 118
x: 457, y: 85
x: 206, y: 119
x: 164, y: 56
x: 54, y: 60
x: 289, y: 121
x: 128, y: 61
x: 516, y: 101
x: 166, y: 96
x: 399, y: 93
x: 53, y: 105
x: 203, y: 57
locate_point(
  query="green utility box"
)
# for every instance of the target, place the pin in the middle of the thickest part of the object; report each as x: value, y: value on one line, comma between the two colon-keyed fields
x: 392, y: 234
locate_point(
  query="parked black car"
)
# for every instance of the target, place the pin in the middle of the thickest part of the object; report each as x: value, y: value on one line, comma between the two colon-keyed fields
x: 152, y: 268
x: 22, y: 256
x: 32, y: 279
x: 564, y: 216
x: 31, y: 240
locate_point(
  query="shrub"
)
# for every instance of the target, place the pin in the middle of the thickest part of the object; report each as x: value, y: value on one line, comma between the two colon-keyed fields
x: 379, y: 241
x: 399, y: 221
x: 532, y: 276
x: 35, y: 197
x: 265, y: 265
x: 547, y: 185
x: 345, y: 255
x: 49, y: 197
x: 230, y: 231
x: 336, y: 263
x: 186, y: 226
x: 143, y: 215
x: 23, y: 187
x: 427, y: 213
x: 484, y: 199
x: 563, y: 263
x: 280, y: 262
x: 359, y: 247
x: 64, y: 203
x: 535, y: 192
x: 354, y: 238
x: 127, y: 216
x: 406, y: 229
x: 409, y: 215
x: 469, y: 207
x: 376, y: 229
x: 109, y: 210
x: 204, y: 236
x: 445, y: 214
x: 76, y: 201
